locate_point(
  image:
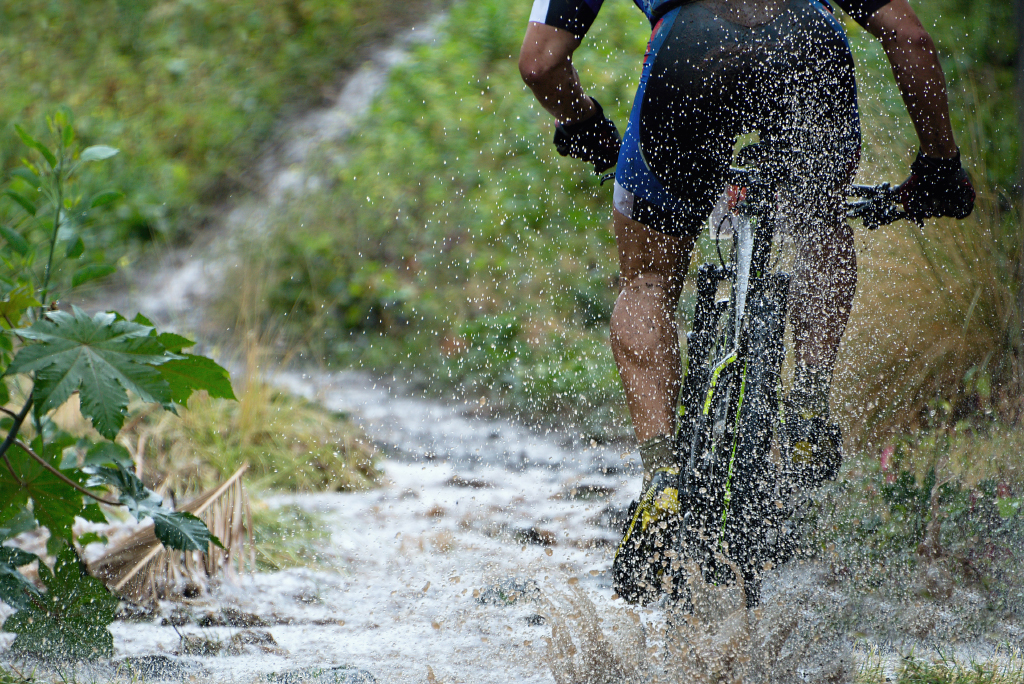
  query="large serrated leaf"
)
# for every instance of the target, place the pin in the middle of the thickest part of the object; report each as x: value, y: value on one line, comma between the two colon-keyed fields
x: 173, y: 342
x: 185, y: 376
x: 15, y: 589
x: 106, y: 454
x: 175, y: 530
x: 69, y: 621
x: 183, y: 531
x: 100, y: 357
x: 54, y: 502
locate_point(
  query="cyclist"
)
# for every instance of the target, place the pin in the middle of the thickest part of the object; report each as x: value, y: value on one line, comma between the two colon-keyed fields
x: 715, y: 69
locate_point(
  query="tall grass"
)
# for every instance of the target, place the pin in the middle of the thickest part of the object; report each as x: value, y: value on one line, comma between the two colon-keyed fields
x: 1005, y: 668
x: 290, y: 444
x: 938, y: 320
x: 938, y: 316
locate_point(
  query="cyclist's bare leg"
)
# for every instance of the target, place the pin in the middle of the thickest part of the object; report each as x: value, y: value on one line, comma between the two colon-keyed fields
x: 644, y: 336
x: 822, y: 291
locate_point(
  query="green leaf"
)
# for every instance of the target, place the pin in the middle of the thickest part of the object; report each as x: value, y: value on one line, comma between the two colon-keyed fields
x: 15, y: 589
x: 70, y: 620
x: 22, y: 200
x: 27, y: 176
x: 184, y: 531
x: 36, y: 145
x: 172, y: 342
x: 100, y: 357
x: 91, y: 537
x: 175, y: 530
x: 93, y: 513
x: 54, y: 502
x: 141, y: 320
x: 18, y: 243
x: 108, y: 454
x: 22, y: 521
x: 105, y: 198
x: 192, y: 373
x: 75, y: 249
x: 98, y: 153
x: 91, y: 272
x: 68, y: 135
x: 15, y: 302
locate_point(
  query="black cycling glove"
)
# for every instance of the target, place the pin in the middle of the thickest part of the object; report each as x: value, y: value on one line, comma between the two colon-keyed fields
x: 936, y: 187
x: 594, y: 140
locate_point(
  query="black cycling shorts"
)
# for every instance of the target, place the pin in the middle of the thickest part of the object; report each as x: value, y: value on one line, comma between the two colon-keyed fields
x: 707, y: 80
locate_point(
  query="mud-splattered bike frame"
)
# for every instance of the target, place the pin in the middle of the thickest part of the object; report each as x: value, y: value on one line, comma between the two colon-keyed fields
x: 736, y: 499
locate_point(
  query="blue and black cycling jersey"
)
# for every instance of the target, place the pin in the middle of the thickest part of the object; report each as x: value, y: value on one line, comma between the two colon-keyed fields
x: 716, y: 69
x: 576, y: 16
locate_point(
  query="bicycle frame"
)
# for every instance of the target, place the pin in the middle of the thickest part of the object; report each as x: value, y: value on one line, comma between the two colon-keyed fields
x: 734, y: 496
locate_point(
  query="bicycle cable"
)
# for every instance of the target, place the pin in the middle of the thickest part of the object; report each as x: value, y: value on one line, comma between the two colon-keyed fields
x: 718, y: 239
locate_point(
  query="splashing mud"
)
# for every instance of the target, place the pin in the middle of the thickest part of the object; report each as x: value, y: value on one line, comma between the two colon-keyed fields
x: 719, y: 641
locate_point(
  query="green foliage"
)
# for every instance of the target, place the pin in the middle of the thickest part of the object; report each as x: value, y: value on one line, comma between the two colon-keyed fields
x: 69, y: 621
x: 14, y: 677
x: 977, y: 44
x: 100, y: 357
x: 192, y: 89
x: 453, y: 210
x: 56, y: 502
x: 174, y: 529
x: 886, y: 519
x: 184, y: 374
x: 47, y: 477
x: 947, y: 670
x: 15, y: 590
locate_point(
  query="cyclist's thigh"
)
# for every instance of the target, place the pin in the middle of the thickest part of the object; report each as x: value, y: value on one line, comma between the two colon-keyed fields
x: 678, y: 142
x: 644, y: 252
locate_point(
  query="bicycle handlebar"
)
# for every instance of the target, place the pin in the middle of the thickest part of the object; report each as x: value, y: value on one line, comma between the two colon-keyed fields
x: 876, y: 205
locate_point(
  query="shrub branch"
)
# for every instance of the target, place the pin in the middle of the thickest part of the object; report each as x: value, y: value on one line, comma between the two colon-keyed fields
x: 65, y: 479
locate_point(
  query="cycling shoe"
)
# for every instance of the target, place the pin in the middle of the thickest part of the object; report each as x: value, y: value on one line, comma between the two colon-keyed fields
x: 814, y: 447
x: 643, y: 562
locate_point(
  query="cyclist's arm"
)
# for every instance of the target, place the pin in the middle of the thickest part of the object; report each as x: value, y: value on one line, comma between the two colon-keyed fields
x: 545, y: 63
x: 918, y: 73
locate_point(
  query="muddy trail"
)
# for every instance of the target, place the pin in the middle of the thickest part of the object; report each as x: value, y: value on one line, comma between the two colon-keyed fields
x: 485, y: 556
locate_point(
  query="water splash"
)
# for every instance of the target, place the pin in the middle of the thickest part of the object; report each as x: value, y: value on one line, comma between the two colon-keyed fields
x: 719, y: 641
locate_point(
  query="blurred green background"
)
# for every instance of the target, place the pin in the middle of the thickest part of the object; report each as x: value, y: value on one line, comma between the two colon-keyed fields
x: 452, y: 246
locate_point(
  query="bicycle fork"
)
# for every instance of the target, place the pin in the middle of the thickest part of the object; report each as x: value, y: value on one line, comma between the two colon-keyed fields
x: 728, y: 417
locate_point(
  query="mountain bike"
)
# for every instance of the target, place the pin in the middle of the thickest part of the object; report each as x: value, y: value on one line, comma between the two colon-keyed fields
x: 734, y: 490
